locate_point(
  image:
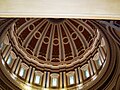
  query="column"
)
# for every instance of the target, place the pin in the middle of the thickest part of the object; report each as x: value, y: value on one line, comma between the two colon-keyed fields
x: 19, y: 63
x: 4, y: 51
x: 64, y: 73
x: 101, y: 59
x: 94, y: 67
x: 32, y: 75
x: 44, y: 78
x: 102, y: 52
x: 7, y: 53
x: 60, y: 79
x: 80, y: 73
x: 90, y: 66
x: 29, y: 71
x: 76, y: 76
x: 48, y: 80
x: 15, y: 65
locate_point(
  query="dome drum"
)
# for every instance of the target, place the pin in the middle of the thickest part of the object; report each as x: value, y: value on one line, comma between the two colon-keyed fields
x: 55, y: 53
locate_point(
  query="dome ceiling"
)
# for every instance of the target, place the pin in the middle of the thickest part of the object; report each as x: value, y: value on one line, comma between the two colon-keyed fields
x: 67, y: 52
x: 54, y: 41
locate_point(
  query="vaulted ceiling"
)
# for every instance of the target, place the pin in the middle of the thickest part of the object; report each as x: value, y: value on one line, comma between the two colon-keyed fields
x: 54, y: 49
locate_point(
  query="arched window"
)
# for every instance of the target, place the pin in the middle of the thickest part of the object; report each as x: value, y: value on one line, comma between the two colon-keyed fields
x: 99, y: 62
x: 86, y: 73
x: 22, y: 72
x: 37, y: 79
x: 9, y: 60
x: 54, y: 82
x: 1, y: 45
x: 71, y: 79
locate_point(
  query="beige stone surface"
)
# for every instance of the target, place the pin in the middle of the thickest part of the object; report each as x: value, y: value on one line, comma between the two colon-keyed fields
x: 98, y: 9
